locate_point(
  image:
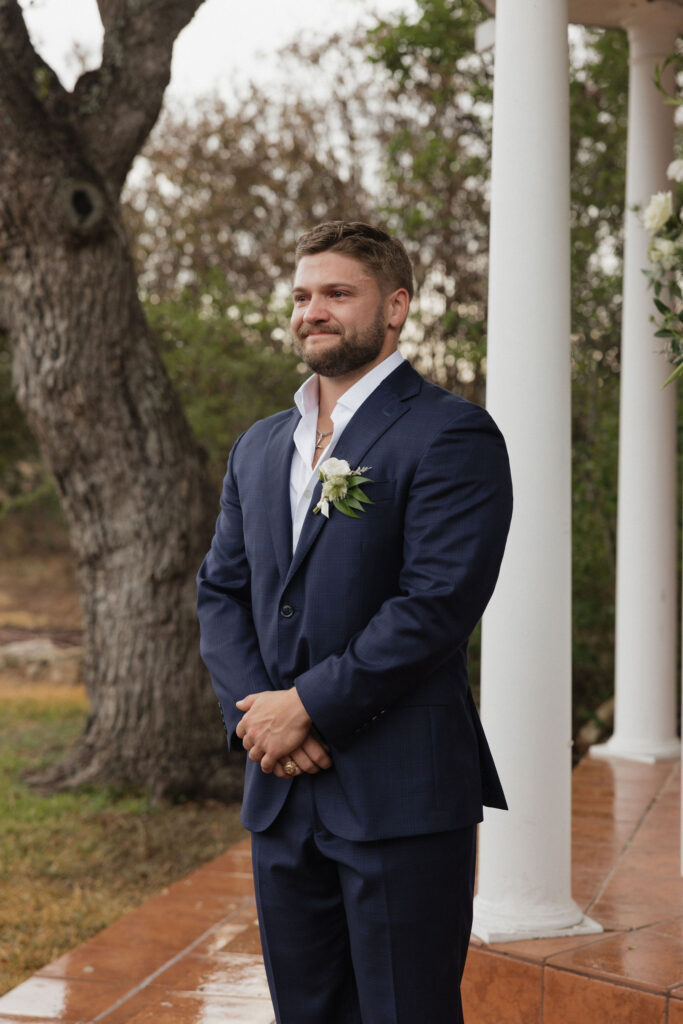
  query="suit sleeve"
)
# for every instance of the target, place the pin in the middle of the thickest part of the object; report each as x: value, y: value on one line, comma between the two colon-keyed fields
x: 228, y: 646
x: 457, y: 518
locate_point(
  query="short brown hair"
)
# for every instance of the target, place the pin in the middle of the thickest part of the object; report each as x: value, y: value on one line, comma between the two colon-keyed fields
x: 384, y: 256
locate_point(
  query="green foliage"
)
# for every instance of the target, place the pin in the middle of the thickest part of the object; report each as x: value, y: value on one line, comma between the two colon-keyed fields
x: 598, y: 119
x: 227, y: 359
x: 436, y: 43
x: 436, y: 138
x: 598, y: 114
x: 595, y: 417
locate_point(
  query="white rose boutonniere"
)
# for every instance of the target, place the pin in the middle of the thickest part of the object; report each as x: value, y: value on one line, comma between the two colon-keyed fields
x: 342, y: 488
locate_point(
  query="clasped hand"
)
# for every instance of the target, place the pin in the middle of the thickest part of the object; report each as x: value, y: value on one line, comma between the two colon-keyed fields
x: 276, y: 727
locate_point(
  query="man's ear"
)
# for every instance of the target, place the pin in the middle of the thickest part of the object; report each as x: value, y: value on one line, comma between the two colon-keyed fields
x: 397, y: 303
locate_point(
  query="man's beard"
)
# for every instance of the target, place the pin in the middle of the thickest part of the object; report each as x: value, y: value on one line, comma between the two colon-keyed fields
x: 355, y: 348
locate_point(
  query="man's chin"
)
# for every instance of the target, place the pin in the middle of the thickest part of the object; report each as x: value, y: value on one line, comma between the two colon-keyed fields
x: 335, y: 367
x: 334, y: 355
x: 321, y: 354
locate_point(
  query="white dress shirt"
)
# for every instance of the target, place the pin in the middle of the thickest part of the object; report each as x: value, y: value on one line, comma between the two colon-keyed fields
x: 303, y: 479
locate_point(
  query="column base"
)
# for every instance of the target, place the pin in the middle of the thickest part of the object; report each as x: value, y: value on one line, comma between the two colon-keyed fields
x: 633, y: 750
x: 489, y: 926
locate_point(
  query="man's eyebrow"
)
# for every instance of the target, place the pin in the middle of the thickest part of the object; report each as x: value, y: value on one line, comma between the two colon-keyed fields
x: 328, y: 285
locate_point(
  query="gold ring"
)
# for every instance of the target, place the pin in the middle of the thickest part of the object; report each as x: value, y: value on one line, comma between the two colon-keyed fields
x: 290, y: 767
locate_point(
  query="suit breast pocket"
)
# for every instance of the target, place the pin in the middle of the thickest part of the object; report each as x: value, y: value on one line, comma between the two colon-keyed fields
x: 380, y: 491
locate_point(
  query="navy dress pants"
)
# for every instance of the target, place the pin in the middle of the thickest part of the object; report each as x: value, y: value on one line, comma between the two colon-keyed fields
x: 362, y: 932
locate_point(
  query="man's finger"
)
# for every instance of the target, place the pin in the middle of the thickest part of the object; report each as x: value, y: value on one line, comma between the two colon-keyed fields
x: 301, y: 758
x: 256, y: 753
x: 317, y: 753
x: 268, y: 763
x: 245, y: 702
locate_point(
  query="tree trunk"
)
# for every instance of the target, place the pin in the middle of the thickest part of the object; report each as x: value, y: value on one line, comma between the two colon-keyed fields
x: 139, y: 512
x: 88, y: 375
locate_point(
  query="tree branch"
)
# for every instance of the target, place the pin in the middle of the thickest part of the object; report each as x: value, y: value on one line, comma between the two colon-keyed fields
x: 116, y: 106
x: 39, y: 142
x: 21, y: 62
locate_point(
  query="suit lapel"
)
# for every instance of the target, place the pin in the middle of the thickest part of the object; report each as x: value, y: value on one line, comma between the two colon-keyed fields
x: 277, y: 462
x: 381, y: 409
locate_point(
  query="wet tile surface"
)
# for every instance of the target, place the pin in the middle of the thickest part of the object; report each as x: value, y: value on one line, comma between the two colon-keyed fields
x: 59, y: 999
x: 26, y: 1020
x: 541, y: 950
x: 100, y: 962
x: 649, y: 958
x: 192, y: 954
x: 501, y: 989
x: 576, y: 999
x: 188, y: 1008
x: 218, y: 975
x: 239, y: 935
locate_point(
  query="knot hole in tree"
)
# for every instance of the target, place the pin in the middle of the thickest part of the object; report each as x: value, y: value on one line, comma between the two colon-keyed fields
x: 83, y: 204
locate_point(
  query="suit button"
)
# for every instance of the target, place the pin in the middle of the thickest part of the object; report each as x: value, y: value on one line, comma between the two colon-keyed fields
x: 286, y: 611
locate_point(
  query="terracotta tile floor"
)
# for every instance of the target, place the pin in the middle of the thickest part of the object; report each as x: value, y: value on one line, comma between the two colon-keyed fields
x: 626, y: 875
x: 192, y: 954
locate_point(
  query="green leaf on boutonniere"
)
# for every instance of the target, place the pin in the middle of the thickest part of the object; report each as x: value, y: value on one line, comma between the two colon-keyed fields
x: 362, y: 497
x: 354, y: 481
x: 343, y: 506
x: 352, y: 500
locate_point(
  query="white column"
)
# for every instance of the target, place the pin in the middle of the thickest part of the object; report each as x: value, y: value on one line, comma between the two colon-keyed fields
x: 525, y: 853
x: 646, y: 608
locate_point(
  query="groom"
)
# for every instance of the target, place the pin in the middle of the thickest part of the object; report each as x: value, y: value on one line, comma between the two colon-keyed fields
x: 335, y: 630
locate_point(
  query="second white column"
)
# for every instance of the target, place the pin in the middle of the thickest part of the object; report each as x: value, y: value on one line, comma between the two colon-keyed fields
x: 646, y: 626
x: 525, y: 854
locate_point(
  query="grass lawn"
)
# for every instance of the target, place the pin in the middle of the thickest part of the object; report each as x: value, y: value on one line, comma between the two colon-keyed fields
x: 72, y: 863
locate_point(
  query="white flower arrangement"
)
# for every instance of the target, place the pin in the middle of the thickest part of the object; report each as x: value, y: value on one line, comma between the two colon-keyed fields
x: 342, y: 488
x: 658, y: 211
x: 674, y: 171
x: 662, y: 218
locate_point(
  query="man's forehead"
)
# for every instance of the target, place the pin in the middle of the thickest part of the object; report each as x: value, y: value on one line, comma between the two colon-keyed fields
x: 326, y: 268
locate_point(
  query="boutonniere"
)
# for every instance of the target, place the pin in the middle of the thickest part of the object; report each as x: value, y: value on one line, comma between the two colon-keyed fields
x: 342, y: 488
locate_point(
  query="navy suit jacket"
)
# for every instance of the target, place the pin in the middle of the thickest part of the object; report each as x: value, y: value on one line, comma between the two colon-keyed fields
x: 370, y: 619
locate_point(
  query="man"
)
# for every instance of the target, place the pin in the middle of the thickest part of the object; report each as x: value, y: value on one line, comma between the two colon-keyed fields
x: 335, y: 622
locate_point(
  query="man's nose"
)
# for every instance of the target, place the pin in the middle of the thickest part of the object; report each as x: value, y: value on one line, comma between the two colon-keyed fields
x: 316, y: 310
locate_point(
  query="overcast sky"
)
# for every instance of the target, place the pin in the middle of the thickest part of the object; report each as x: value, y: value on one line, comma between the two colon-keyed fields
x: 226, y: 38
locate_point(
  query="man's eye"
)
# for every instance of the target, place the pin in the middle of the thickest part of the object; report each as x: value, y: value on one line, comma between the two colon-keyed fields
x: 339, y: 295
x: 299, y: 299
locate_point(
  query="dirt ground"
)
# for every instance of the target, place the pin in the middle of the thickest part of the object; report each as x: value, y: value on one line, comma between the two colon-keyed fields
x: 38, y: 597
